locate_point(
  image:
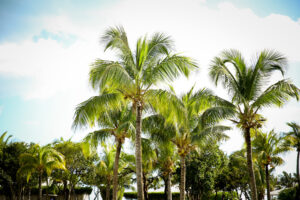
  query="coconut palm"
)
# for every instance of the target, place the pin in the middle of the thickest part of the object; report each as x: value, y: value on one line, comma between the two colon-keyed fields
x: 117, y: 123
x: 268, y: 147
x: 41, y: 160
x: 166, y: 164
x: 133, y: 77
x: 197, y: 126
x: 247, y: 87
x: 293, y: 140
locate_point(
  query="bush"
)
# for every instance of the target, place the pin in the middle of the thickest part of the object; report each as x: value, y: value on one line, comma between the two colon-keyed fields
x: 152, y: 195
x: 287, y: 194
x: 176, y: 196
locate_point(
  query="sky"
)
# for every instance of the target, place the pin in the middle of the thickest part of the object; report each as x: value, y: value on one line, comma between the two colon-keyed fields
x: 46, y: 48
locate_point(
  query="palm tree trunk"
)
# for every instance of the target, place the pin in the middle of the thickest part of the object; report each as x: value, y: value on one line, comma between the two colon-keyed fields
x: 298, y: 176
x: 65, y: 189
x: 47, y: 194
x: 165, y: 179
x: 268, y: 182
x: 138, y: 152
x: 29, y: 193
x: 146, y: 197
x: 250, y: 164
x: 107, y: 193
x: 116, y: 167
x: 182, y: 177
x: 169, y: 189
x: 40, y: 187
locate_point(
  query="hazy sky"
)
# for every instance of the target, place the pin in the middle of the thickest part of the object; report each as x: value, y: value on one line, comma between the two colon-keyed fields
x: 46, y: 48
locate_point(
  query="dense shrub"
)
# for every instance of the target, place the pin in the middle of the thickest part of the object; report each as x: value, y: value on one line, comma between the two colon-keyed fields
x: 176, y: 196
x: 287, y: 194
x: 152, y: 195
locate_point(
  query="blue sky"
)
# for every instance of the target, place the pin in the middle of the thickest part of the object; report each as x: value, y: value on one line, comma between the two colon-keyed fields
x: 46, y: 48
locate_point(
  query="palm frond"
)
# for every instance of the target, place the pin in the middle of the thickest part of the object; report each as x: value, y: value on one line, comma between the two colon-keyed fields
x: 86, y: 113
x: 277, y: 94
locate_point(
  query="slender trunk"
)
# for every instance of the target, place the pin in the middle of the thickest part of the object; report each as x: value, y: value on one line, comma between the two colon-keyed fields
x: 166, y: 188
x: 13, y: 196
x: 70, y: 190
x: 223, y: 195
x: 216, y: 195
x: 138, y: 152
x: 40, y: 187
x: 107, y: 192
x: 250, y: 164
x: 116, y: 167
x: 23, y: 193
x: 182, y: 177
x: 268, y: 182
x: 298, y: 176
x: 47, y: 191
x: 146, y: 197
x: 169, y: 191
x: 65, y: 189
x: 29, y: 193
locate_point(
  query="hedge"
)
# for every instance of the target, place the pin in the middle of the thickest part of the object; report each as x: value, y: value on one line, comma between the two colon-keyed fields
x: 152, y: 195
x: 287, y: 194
x: 35, y: 191
x: 176, y: 196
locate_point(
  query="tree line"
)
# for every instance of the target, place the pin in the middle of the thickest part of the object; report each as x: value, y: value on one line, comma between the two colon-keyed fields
x: 176, y: 137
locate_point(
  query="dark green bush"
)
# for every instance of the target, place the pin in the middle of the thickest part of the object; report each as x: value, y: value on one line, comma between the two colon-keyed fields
x: 287, y: 194
x: 152, y: 195
x: 176, y: 196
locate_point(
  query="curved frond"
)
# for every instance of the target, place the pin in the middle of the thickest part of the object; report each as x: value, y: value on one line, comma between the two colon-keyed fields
x: 86, y: 113
x: 277, y: 94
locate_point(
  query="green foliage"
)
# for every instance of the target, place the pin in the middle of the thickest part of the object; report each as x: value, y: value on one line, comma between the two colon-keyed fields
x: 152, y: 195
x: 287, y: 194
x: 9, y: 165
x: 202, y: 168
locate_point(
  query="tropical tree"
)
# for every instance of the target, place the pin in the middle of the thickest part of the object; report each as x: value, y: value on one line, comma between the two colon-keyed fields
x: 133, y: 77
x: 287, y: 179
x: 11, y: 184
x: 77, y: 165
x: 41, y: 160
x: 198, y: 124
x: 293, y: 140
x: 105, y: 169
x: 246, y: 86
x: 167, y: 158
x: 268, y: 147
x: 117, y: 123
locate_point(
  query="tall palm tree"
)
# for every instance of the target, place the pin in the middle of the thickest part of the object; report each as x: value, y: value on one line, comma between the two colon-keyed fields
x: 268, y: 147
x: 246, y: 85
x: 133, y: 77
x: 41, y: 160
x: 197, y: 125
x: 293, y: 140
x: 118, y: 123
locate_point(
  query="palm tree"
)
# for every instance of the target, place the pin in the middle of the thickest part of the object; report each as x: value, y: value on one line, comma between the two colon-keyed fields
x: 40, y: 160
x: 197, y: 125
x: 246, y: 85
x: 133, y: 77
x: 166, y: 164
x: 293, y: 140
x: 117, y: 123
x: 287, y: 180
x: 105, y: 168
x: 3, y: 141
x: 268, y: 147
